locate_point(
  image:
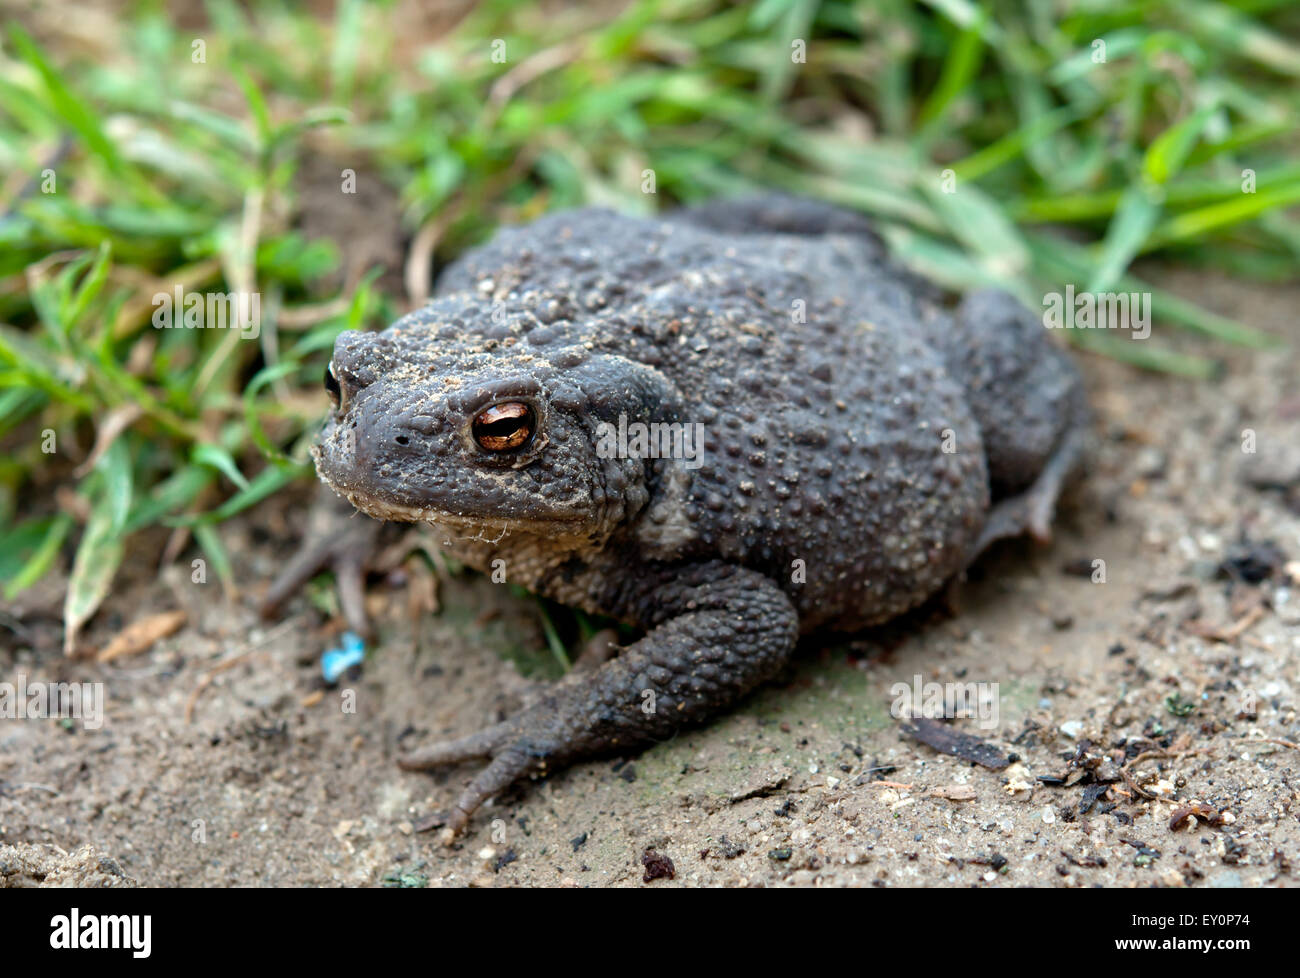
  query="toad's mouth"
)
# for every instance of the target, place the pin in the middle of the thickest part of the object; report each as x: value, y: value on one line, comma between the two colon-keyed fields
x: 404, y: 503
x: 382, y: 506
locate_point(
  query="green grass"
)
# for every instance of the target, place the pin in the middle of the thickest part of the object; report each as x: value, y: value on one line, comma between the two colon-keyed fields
x: 169, y: 171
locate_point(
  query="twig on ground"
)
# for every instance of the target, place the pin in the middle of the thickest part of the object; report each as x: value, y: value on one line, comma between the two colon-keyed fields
x: 206, y: 679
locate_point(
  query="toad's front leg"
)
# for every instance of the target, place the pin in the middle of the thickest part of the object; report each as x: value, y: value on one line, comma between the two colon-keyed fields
x: 716, y: 632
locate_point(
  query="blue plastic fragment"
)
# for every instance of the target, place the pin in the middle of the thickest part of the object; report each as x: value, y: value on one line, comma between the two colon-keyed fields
x: 335, y: 662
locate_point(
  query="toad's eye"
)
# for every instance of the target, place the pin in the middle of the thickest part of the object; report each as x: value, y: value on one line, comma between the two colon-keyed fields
x: 504, y: 426
x: 332, y: 384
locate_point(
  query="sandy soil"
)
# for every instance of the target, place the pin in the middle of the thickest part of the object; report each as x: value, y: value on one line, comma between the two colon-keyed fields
x: 812, y: 781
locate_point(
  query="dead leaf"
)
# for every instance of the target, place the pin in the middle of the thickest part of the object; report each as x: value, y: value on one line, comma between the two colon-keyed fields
x: 99, y: 554
x: 946, y: 740
x: 140, y: 635
x: 110, y: 426
x: 1195, y: 810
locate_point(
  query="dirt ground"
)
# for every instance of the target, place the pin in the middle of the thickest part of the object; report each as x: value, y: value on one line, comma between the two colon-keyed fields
x: 1122, y: 704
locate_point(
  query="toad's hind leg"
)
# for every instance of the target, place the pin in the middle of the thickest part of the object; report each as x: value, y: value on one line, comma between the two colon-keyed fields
x: 775, y: 213
x: 1032, y: 510
x: 1028, y: 400
x: 781, y: 214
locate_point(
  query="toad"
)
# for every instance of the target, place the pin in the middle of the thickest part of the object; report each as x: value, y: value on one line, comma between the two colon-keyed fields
x: 727, y: 426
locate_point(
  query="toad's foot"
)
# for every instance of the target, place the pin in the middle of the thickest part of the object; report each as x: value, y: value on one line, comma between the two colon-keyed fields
x: 1032, y: 511
x: 338, y: 539
x: 716, y: 632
